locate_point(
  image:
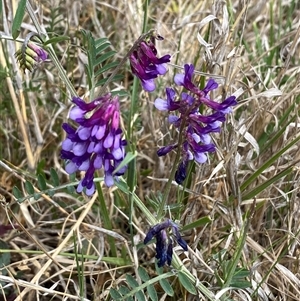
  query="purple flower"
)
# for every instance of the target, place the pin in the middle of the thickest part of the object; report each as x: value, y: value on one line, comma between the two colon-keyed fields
x: 146, y: 65
x: 194, y: 126
x: 40, y: 55
x: 96, y: 143
x: 31, y: 56
x: 164, y: 241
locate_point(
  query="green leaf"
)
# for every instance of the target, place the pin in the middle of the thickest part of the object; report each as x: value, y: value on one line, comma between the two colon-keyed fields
x: 240, y: 283
x: 71, y: 189
x: 131, y: 281
x: 128, y: 158
x: 200, y: 222
x: 51, y: 192
x: 115, y: 294
x: 36, y: 196
x: 101, y: 41
x: 29, y: 187
x: 137, y: 291
x: 116, y: 78
x: 256, y: 190
x: 166, y: 287
x: 271, y: 140
x: 187, y: 283
x: 140, y: 296
x: 150, y: 288
x: 100, y: 47
x: 152, y: 293
x: 125, y: 290
x: 120, y: 93
x: 238, y: 279
x: 54, y: 177
x: 134, y: 285
x: 17, y: 193
x: 56, y: 40
x: 89, y: 74
x: 106, y: 67
x: 105, y: 56
x: 241, y: 273
x: 17, y: 20
x: 267, y: 164
x: 41, y: 182
x: 143, y: 274
x: 4, y: 257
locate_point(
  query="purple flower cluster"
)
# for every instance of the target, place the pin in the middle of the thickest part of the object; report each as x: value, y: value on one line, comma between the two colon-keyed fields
x: 195, y: 128
x: 164, y: 241
x: 96, y: 143
x: 31, y: 56
x: 146, y: 65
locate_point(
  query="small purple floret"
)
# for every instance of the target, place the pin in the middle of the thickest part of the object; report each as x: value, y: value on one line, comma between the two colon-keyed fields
x: 40, y: 54
x: 146, y: 65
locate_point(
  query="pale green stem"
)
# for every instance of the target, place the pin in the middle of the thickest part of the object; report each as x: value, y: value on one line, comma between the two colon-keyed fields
x: 44, y: 37
x: 167, y: 189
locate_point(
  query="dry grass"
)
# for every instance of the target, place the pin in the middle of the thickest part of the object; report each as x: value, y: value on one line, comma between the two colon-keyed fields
x: 252, y: 49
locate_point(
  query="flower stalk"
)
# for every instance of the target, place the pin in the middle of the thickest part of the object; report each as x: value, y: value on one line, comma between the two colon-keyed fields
x: 163, y: 203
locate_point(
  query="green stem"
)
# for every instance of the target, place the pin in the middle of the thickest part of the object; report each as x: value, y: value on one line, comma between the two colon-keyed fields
x: 50, y: 50
x: 145, y: 22
x: 131, y: 179
x: 106, y: 219
x: 167, y: 190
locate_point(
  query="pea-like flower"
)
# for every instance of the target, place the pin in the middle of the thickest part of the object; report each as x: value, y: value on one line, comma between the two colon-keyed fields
x: 30, y: 55
x: 194, y: 127
x: 96, y: 142
x: 146, y: 65
x: 164, y: 240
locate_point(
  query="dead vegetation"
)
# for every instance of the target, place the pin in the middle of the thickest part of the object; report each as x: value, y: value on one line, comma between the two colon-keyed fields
x: 252, y: 49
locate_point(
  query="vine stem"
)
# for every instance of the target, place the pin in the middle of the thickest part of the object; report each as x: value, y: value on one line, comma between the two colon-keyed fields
x: 132, y: 177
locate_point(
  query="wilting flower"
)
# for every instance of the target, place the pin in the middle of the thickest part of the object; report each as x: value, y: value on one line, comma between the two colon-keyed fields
x: 195, y: 127
x: 96, y: 143
x: 30, y: 55
x: 146, y: 65
x: 164, y: 240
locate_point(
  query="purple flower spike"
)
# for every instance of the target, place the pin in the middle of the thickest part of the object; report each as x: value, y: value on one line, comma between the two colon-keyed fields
x: 164, y: 240
x: 196, y: 128
x: 31, y: 56
x: 146, y: 65
x: 96, y: 142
